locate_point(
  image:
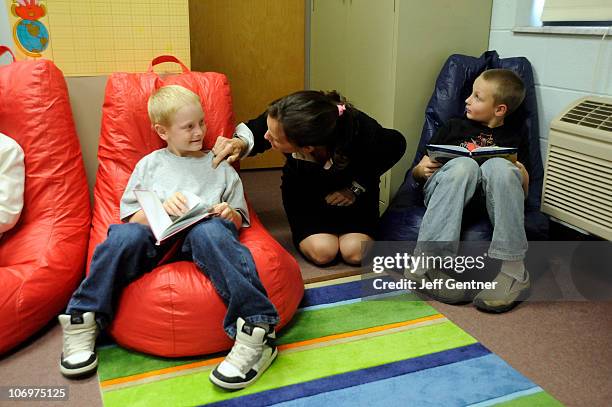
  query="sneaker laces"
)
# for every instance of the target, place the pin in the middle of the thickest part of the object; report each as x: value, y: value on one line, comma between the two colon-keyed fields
x: 244, y: 356
x: 79, y: 340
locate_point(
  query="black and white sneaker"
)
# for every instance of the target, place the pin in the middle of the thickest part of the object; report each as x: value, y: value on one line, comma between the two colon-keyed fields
x: 251, y: 355
x: 78, y: 354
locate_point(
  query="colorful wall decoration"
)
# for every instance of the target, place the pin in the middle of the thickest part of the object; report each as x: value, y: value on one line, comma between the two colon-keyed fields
x: 29, y: 33
x: 29, y: 26
x: 98, y: 37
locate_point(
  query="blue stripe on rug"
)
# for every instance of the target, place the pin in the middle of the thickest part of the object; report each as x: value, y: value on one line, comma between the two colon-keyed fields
x: 358, y: 377
x: 458, y: 384
x: 332, y: 293
x: 508, y: 397
x: 347, y: 302
x: 361, y: 288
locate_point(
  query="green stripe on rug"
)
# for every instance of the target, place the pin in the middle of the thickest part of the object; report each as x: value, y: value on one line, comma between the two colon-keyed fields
x: 119, y: 362
x: 298, y: 367
x: 351, y: 317
x: 541, y: 399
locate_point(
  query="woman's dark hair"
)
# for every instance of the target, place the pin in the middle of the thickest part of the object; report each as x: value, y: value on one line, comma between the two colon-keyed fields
x: 312, y: 118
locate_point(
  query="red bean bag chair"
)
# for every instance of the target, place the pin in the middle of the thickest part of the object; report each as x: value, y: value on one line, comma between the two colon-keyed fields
x: 42, y: 258
x: 174, y: 310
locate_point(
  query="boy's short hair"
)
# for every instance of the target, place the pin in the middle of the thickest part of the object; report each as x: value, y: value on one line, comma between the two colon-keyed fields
x: 167, y: 100
x: 509, y: 89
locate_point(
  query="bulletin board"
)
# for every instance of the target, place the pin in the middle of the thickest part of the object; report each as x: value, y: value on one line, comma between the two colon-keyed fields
x: 98, y: 37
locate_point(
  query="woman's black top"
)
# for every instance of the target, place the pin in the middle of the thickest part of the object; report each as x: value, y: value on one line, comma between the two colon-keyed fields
x: 372, y: 151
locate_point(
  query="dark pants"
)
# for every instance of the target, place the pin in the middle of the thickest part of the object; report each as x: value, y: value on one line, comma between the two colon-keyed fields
x: 129, y: 251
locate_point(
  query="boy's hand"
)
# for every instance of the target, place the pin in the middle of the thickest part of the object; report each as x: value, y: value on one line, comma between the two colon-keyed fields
x: 425, y: 168
x: 230, y: 148
x: 225, y: 211
x: 525, y: 176
x: 344, y: 197
x: 176, y: 205
x: 139, y: 217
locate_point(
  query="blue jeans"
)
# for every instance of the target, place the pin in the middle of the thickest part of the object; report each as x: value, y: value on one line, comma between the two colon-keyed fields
x: 129, y: 251
x: 451, y: 187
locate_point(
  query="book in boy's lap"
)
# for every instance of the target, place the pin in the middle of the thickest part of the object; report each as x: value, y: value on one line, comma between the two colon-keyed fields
x: 161, y: 224
x: 443, y: 152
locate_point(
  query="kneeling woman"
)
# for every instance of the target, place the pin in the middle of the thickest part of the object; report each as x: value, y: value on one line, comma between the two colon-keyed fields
x: 335, y: 157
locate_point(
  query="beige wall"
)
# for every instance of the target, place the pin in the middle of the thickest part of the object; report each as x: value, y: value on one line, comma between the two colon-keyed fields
x: 427, y: 36
x: 86, y: 100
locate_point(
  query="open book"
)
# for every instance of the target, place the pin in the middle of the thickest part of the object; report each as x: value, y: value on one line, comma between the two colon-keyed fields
x: 443, y: 152
x: 161, y: 224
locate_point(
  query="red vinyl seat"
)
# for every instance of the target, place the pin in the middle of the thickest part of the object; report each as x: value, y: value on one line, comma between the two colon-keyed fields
x: 42, y: 258
x: 174, y: 310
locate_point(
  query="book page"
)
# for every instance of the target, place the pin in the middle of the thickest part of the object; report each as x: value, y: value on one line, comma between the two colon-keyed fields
x: 154, y: 211
x: 182, y: 224
x: 495, y: 149
x: 442, y: 152
x: 162, y: 225
x: 484, y: 153
x: 192, y: 202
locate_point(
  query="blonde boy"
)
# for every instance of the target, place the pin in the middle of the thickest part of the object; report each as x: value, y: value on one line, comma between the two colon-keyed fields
x: 130, y: 251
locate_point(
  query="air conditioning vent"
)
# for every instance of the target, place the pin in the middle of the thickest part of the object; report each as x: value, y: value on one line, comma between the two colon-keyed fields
x: 578, y: 173
x: 590, y: 114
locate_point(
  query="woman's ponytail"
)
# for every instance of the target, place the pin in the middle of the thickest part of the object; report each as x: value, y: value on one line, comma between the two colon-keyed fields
x: 345, y: 129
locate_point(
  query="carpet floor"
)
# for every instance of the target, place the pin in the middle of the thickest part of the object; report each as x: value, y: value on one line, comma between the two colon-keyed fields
x: 345, y: 347
x: 564, y: 347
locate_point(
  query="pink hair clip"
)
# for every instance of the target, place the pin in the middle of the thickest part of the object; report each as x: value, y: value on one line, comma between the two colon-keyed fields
x: 341, y: 109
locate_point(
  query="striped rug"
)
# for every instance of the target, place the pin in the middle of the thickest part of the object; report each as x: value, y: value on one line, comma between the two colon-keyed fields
x: 345, y: 347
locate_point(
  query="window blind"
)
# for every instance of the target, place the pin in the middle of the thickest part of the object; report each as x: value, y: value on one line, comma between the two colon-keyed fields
x: 577, y: 10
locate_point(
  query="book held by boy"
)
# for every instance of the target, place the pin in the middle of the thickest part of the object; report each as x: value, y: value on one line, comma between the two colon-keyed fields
x: 443, y: 152
x: 162, y: 225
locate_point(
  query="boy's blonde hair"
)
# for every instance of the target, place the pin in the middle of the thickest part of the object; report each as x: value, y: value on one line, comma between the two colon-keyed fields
x: 509, y: 88
x: 167, y: 100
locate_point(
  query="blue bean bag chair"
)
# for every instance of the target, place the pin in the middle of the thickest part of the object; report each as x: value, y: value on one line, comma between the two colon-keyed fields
x: 402, y: 220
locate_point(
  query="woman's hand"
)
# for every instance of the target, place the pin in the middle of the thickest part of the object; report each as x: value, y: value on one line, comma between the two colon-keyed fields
x: 225, y: 211
x: 230, y: 148
x: 425, y: 168
x: 344, y: 197
x: 176, y: 205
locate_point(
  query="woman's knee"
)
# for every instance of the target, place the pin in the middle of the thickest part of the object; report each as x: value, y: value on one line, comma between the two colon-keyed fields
x: 351, y: 247
x: 321, y: 248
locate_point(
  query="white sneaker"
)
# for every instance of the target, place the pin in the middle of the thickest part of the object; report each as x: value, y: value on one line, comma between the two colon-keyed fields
x: 78, y: 353
x: 250, y: 356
